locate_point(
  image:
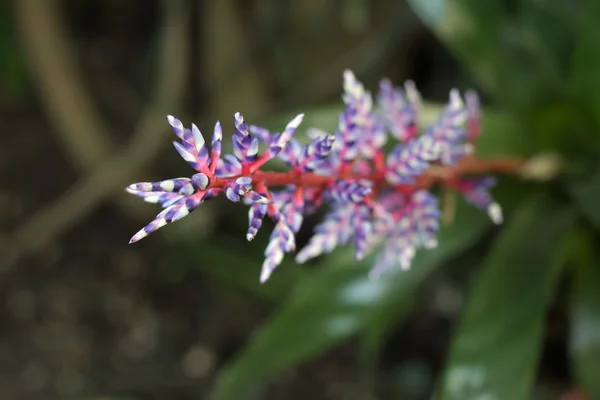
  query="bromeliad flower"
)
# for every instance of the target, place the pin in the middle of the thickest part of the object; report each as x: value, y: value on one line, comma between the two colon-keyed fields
x: 374, y: 195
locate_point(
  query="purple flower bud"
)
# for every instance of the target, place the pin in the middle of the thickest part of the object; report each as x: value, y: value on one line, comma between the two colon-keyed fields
x: 242, y: 186
x: 192, y: 147
x: 361, y: 126
x: 350, y: 191
x: 245, y: 147
x: 473, y: 107
x: 169, y: 185
x: 157, y: 197
x: 278, y: 142
x: 256, y: 214
x: 262, y: 134
x: 347, y: 137
x: 450, y: 126
x: 453, y: 152
x: 291, y: 153
x: 416, y: 226
x: 362, y: 229
x: 238, y: 188
x: 192, y: 140
x: 289, y: 130
x: 477, y: 192
x: 407, y: 161
x: 228, y: 166
x: 170, y: 214
x: 282, y: 241
x: 335, y: 230
x: 316, y: 152
x: 216, y: 146
x: 398, y: 112
x: 201, y: 181
x: 294, y: 215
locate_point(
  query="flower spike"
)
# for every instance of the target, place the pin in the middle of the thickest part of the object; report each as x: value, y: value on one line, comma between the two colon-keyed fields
x: 374, y: 196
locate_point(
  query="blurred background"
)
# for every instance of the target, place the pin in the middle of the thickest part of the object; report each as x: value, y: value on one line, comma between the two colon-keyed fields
x: 495, y: 313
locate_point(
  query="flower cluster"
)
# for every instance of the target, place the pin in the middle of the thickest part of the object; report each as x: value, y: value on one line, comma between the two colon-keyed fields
x: 378, y: 193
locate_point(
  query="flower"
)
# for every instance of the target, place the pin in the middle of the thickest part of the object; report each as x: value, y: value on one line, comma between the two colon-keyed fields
x: 377, y: 191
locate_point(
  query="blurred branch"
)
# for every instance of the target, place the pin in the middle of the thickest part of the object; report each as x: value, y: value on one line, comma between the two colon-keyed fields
x: 365, y: 55
x: 113, y: 174
x: 326, y: 81
x: 81, y: 130
x: 109, y: 85
x: 575, y: 394
x: 225, y: 44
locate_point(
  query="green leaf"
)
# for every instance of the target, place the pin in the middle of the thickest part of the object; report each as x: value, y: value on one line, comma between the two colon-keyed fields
x: 235, y: 268
x: 586, y: 195
x: 584, y: 340
x: 472, y: 30
x: 516, y: 49
x: 585, y: 60
x: 324, y: 117
x: 495, y: 348
x: 13, y: 69
x: 339, y: 301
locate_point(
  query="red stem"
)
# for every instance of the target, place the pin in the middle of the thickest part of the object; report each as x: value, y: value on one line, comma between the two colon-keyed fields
x: 469, y: 165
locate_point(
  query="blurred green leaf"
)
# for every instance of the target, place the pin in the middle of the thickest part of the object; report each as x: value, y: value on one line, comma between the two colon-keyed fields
x: 324, y: 117
x: 13, y: 71
x: 238, y: 268
x: 586, y: 195
x: 539, y: 60
x: 514, y: 48
x: 337, y: 302
x: 494, y: 352
x: 585, y: 59
x: 472, y: 30
x: 584, y: 340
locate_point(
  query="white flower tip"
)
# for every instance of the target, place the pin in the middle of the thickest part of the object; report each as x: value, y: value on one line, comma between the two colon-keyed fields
x: 138, y: 236
x: 250, y: 236
x: 173, y: 121
x: 348, y: 74
x: 305, y: 254
x: 432, y: 244
x: 263, y: 200
x: 218, y: 131
x: 456, y: 101
x: 294, y: 123
x: 265, y: 274
x: 198, y: 138
x: 495, y: 212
